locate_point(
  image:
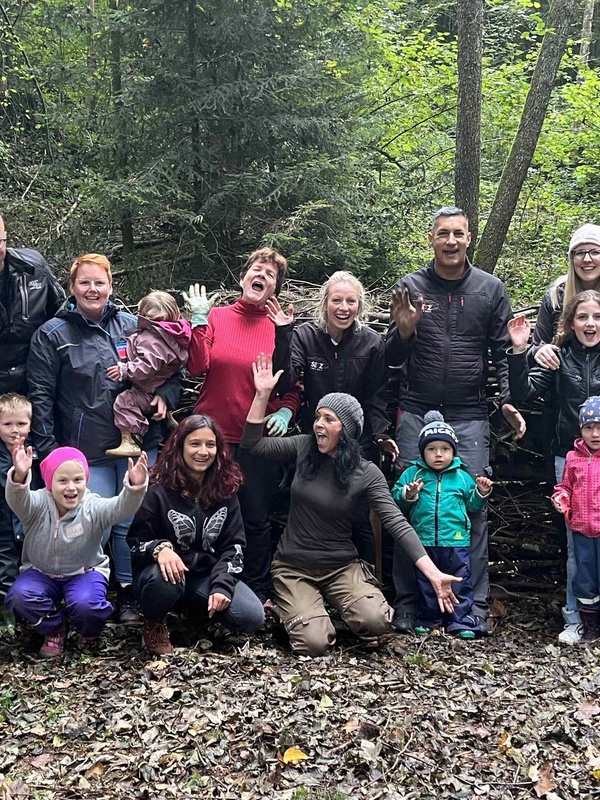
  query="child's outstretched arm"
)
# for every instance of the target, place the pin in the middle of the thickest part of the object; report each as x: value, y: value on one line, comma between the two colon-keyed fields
x: 484, y: 485
x: 138, y: 473
x: 19, y: 497
x: 22, y: 460
x: 563, y: 492
x: 107, y: 512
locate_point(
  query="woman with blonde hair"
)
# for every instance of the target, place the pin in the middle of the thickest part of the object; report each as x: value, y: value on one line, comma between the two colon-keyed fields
x: 583, y: 273
x: 337, y: 352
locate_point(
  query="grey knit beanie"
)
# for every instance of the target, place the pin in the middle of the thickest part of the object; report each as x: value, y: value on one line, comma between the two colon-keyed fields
x: 436, y: 430
x: 587, y: 233
x: 348, y: 409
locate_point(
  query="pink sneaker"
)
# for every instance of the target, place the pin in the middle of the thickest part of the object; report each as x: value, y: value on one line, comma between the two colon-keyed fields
x: 54, y: 643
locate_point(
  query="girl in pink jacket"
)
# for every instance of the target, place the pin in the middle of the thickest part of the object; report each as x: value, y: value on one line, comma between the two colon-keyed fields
x: 577, y: 496
x: 151, y: 355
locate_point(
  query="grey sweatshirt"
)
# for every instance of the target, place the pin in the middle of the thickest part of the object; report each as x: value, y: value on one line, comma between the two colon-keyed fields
x: 65, y: 546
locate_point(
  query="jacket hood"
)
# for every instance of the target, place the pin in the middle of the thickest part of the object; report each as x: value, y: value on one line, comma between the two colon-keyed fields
x: 581, y: 447
x: 180, y: 330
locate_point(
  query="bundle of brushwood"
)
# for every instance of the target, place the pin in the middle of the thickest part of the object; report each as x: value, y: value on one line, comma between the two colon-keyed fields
x: 527, y: 540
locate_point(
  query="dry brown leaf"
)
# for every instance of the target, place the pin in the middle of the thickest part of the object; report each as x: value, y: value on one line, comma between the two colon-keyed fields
x: 95, y: 770
x: 546, y: 782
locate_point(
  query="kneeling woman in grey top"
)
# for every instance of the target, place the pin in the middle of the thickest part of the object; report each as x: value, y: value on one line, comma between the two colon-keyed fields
x: 316, y: 560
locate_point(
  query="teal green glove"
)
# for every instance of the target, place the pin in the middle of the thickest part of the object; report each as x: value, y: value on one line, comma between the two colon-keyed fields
x: 277, y: 422
x: 199, y: 304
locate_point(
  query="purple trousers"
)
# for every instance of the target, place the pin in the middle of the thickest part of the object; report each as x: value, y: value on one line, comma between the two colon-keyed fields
x: 130, y: 409
x: 36, y: 598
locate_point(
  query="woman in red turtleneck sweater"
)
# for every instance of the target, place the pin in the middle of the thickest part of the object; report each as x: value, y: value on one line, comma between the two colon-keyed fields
x: 224, y: 344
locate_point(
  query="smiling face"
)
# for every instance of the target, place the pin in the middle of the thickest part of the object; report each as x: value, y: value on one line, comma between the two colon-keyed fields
x: 591, y: 435
x: 327, y: 428
x: 259, y: 282
x: 587, y: 264
x: 199, y: 452
x: 341, y: 308
x: 586, y: 323
x: 91, y: 290
x: 438, y: 455
x: 450, y: 239
x: 14, y: 425
x: 68, y: 486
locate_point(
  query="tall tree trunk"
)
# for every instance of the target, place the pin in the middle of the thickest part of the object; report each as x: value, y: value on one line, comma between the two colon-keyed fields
x: 467, y: 162
x: 121, y: 146
x: 561, y: 15
x: 586, y: 31
x: 192, y: 35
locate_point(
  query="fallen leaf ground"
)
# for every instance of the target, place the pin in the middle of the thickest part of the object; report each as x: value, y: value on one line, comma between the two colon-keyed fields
x: 512, y: 716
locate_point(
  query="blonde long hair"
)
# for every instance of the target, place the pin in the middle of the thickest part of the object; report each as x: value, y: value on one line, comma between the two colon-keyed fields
x: 342, y: 276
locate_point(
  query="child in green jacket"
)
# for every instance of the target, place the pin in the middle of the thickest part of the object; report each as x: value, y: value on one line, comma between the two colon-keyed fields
x: 437, y: 494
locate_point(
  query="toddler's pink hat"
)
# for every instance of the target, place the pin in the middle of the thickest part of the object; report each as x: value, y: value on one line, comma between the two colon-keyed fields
x: 57, y: 457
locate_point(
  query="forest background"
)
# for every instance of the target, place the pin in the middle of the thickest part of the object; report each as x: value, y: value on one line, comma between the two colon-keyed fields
x: 177, y: 136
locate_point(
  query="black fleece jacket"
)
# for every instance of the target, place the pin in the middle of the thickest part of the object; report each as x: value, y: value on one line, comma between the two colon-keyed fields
x: 577, y: 379
x: 34, y: 295
x: 447, y: 358
x: 356, y: 366
x: 208, y: 540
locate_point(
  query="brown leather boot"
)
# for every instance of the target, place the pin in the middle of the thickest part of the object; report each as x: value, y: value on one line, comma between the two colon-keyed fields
x: 156, y: 637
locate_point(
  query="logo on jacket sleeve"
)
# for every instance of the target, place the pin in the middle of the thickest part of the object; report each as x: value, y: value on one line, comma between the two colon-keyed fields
x: 235, y: 566
x: 184, y: 527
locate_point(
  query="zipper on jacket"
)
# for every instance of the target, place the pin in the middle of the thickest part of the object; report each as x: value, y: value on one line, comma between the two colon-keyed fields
x: 437, y: 508
x: 56, y: 571
x: 24, y: 298
x: 448, y: 340
x: 587, y: 375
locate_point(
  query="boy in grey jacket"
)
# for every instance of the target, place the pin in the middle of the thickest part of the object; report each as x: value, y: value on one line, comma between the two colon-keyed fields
x: 62, y: 555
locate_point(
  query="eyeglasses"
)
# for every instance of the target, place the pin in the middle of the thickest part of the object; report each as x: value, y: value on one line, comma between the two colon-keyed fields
x: 581, y: 254
x: 85, y: 284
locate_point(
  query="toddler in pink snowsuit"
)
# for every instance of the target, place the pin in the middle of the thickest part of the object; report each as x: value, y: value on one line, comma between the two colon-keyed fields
x: 155, y: 352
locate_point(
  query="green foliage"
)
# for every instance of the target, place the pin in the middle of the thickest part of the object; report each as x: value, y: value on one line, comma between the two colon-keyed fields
x: 197, y: 132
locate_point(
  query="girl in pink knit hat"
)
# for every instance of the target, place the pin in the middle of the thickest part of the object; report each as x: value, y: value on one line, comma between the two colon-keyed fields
x: 64, y: 572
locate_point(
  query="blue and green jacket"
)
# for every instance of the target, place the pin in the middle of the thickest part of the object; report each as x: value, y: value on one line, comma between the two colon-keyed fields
x: 440, y: 514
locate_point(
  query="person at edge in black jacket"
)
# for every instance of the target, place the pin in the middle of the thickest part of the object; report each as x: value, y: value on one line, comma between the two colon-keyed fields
x: 73, y: 395
x: 29, y: 295
x: 187, y: 539
x: 447, y: 318
x: 337, y: 352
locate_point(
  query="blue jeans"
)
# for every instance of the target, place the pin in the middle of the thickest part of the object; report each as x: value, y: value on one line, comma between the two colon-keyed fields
x: 157, y: 597
x: 453, y: 561
x: 586, y: 583
x: 474, y: 450
x: 106, y: 479
x: 569, y: 612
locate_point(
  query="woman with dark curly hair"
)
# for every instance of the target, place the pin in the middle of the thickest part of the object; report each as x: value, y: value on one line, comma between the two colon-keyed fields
x: 316, y: 561
x: 187, y: 539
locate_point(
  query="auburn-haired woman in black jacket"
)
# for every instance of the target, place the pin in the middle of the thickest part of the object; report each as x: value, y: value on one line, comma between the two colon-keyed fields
x: 187, y: 539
